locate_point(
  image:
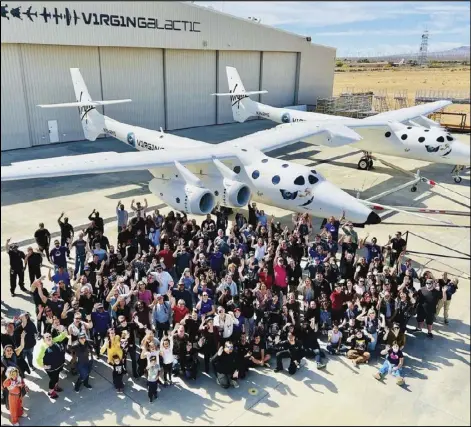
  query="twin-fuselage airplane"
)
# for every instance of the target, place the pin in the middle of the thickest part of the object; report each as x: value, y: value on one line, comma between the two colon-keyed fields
x: 404, y: 133
x: 192, y: 176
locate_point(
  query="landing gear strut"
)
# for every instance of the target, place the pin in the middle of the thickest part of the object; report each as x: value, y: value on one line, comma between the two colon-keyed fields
x: 456, y: 173
x: 366, y: 162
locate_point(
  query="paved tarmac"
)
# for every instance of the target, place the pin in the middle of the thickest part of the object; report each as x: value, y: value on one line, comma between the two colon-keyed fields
x: 437, y: 371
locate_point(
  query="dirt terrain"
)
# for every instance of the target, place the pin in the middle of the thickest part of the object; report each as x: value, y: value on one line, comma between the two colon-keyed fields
x: 410, y: 79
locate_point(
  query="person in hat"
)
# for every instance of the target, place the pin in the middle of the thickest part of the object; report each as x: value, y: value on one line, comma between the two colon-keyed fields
x: 83, y: 352
x: 16, y: 266
x: 398, y: 247
x: 152, y: 374
x: 15, y: 386
x: 101, y: 320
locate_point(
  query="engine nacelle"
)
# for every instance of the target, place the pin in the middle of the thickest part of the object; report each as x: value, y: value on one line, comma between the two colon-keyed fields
x: 183, y: 197
x: 233, y: 194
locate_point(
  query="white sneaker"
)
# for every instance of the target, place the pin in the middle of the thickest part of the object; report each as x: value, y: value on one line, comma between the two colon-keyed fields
x: 23, y: 415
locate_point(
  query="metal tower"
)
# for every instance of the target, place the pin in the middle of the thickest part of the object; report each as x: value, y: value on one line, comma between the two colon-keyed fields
x: 422, y: 57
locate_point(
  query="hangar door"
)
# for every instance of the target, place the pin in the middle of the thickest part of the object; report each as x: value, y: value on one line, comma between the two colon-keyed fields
x: 279, y: 78
x: 48, y: 81
x: 190, y: 77
x: 248, y: 66
x: 137, y: 74
x: 14, y: 122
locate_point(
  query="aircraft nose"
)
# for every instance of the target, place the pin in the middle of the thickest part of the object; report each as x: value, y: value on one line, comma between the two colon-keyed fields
x: 373, y: 218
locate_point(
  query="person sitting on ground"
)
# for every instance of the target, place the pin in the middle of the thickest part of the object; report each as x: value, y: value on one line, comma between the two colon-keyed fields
x: 359, y: 344
x: 393, y: 363
x: 225, y: 365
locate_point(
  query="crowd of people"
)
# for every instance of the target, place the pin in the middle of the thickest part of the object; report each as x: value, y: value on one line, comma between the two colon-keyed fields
x: 174, y: 297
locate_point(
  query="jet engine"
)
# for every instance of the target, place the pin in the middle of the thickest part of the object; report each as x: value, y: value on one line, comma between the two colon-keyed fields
x: 183, y: 197
x: 230, y: 193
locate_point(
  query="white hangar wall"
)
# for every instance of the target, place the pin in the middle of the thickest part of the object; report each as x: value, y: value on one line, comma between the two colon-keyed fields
x: 168, y: 57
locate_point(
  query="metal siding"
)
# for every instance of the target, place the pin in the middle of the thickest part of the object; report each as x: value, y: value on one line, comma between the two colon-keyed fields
x: 316, y: 77
x: 48, y: 81
x: 190, y: 80
x: 279, y: 78
x: 248, y: 66
x: 136, y: 74
x: 14, y: 119
x: 220, y: 31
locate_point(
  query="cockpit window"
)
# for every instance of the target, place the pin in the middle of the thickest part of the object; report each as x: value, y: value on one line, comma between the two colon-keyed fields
x: 300, y: 180
x: 449, y: 138
x: 312, y: 179
x: 313, y: 171
x: 440, y: 139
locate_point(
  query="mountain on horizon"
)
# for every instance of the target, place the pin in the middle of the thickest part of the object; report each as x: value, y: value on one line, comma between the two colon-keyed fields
x: 458, y: 54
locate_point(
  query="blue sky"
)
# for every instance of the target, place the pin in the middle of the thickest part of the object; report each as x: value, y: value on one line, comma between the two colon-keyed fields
x: 363, y: 28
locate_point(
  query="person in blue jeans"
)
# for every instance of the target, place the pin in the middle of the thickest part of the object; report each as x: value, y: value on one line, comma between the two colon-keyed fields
x: 393, y: 364
x: 83, y: 350
x: 81, y: 249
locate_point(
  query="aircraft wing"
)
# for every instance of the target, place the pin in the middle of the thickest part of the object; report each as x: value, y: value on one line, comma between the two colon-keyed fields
x: 109, y: 162
x: 289, y: 133
x: 141, y: 160
x: 409, y: 113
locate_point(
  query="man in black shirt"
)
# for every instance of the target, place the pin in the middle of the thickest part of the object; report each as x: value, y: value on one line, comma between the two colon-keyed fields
x: 427, y: 300
x: 33, y: 261
x: 43, y: 239
x: 102, y: 240
x: 97, y: 219
x: 398, y: 245
x: 310, y: 342
x: 131, y: 328
x: 67, y: 232
x: 225, y: 365
x: 16, y: 267
x: 291, y: 348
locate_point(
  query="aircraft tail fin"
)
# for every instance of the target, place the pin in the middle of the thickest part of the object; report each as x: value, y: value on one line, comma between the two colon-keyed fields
x: 242, y: 106
x: 92, y: 121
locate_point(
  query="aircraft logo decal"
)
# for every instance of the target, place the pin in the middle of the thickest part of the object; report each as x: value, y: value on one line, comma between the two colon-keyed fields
x: 285, y: 118
x: 236, y: 99
x: 131, y: 138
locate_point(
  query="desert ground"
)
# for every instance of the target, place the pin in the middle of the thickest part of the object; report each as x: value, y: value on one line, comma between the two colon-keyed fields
x: 410, y: 79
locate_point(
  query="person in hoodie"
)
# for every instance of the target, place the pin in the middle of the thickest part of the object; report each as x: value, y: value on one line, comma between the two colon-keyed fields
x: 101, y: 320
x: 51, y: 357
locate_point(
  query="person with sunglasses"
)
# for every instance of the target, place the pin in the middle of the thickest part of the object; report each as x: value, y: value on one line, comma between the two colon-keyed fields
x: 225, y: 365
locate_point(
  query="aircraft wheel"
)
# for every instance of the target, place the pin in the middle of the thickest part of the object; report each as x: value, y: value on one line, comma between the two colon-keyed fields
x: 363, y: 164
x: 413, y: 189
x: 457, y: 179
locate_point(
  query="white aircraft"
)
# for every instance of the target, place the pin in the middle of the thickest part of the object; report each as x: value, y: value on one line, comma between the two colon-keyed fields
x: 404, y: 133
x: 192, y: 176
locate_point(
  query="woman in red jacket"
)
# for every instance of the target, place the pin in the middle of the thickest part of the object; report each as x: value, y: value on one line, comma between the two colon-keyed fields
x: 15, y: 386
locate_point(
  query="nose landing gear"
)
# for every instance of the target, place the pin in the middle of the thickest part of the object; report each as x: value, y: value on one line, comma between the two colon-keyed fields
x: 456, y: 173
x: 366, y: 162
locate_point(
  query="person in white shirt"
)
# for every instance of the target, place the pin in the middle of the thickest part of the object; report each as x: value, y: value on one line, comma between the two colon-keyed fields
x: 123, y: 290
x: 225, y: 322
x: 260, y: 248
x: 163, y: 278
x: 334, y: 340
x: 166, y: 351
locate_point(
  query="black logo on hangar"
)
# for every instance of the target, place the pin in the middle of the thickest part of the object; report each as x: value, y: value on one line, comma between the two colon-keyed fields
x: 103, y: 19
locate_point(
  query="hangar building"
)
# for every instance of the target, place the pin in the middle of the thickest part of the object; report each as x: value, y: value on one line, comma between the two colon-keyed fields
x: 168, y: 57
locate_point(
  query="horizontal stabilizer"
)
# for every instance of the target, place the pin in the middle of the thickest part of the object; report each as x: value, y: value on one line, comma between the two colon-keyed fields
x: 253, y: 92
x: 341, y: 135
x: 85, y: 103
